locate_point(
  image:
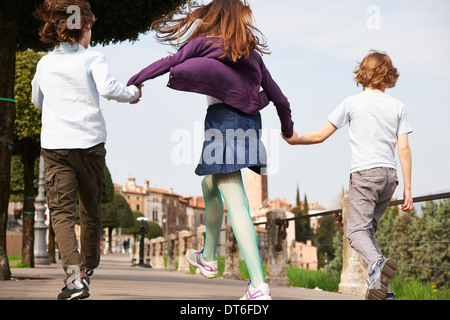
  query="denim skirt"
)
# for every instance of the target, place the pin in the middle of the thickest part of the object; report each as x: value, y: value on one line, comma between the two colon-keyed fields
x: 232, y: 142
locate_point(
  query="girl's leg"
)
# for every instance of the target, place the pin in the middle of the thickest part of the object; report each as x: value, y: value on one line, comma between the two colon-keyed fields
x: 232, y: 189
x: 213, y: 217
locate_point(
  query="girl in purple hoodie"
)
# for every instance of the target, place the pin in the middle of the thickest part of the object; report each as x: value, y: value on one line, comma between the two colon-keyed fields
x: 220, y: 56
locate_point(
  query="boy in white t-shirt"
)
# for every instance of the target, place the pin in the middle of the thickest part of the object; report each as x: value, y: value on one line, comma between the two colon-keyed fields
x: 377, y: 123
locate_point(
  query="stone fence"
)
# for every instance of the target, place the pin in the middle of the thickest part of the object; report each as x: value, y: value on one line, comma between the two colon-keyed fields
x: 353, y: 274
x: 177, y: 244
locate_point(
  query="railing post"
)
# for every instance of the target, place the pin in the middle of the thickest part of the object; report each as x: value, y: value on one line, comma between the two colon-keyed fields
x: 171, y: 247
x: 159, y: 253
x: 276, y: 262
x: 183, y: 242
x: 231, y: 256
x: 201, y: 237
x: 152, y: 252
x: 354, y: 274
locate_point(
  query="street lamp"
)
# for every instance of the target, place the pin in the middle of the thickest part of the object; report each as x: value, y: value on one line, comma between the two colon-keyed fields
x: 40, y: 228
x: 141, y: 263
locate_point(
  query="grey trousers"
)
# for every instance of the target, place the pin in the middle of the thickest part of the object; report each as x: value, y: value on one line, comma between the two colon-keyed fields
x: 368, y: 198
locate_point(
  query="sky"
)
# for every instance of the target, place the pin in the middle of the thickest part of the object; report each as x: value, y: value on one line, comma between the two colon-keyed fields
x: 315, y: 46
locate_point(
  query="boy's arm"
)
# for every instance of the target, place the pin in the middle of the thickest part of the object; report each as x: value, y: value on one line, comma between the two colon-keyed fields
x: 404, y: 154
x: 313, y: 137
x: 108, y: 87
x: 36, y: 93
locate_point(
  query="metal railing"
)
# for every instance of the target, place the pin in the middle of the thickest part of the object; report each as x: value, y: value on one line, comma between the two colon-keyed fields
x: 338, y: 212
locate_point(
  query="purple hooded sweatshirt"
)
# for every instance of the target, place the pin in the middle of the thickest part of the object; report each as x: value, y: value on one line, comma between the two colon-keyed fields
x: 196, y: 67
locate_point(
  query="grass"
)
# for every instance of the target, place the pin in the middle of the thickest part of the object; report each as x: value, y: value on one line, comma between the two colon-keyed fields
x: 405, y: 289
x: 415, y: 289
x: 15, y: 261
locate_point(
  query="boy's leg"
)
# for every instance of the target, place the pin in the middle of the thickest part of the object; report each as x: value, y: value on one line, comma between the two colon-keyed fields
x: 61, y: 189
x: 213, y: 217
x: 91, y: 182
x: 361, y: 225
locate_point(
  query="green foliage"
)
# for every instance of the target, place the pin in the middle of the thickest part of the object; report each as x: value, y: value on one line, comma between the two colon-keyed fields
x: 117, y: 213
x: 303, y: 230
x: 28, y: 117
x: 323, y: 239
x: 17, y: 184
x: 419, y: 243
x: 152, y: 228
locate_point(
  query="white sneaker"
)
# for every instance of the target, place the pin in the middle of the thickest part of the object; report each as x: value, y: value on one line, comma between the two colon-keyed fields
x: 208, y: 269
x: 261, y: 292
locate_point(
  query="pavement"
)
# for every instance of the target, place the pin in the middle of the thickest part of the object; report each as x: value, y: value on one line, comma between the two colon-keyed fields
x: 115, y: 279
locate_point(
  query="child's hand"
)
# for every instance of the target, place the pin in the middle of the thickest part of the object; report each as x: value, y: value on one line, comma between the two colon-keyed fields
x: 292, y: 139
x: 407, y: 205
x: 140, y: 94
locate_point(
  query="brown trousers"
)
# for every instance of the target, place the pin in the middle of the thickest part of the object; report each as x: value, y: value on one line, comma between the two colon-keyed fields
x: 71, y: 173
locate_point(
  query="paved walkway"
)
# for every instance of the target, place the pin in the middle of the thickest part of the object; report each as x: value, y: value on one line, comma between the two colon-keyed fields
x: 116, y: 279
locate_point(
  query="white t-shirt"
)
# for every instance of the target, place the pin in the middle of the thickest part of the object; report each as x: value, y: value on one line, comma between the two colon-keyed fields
x: 66, y: 87
x: 375, y: 121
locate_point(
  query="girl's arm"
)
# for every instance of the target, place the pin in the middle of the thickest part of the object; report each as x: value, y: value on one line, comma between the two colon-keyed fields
x: 404, y: 154
x: 274, y: 94
x: 313, y: 137
x: 162, y: 66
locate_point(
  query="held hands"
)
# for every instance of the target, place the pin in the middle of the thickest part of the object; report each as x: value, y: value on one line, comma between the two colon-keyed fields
x: 140, y: 94
x: 292, y: 140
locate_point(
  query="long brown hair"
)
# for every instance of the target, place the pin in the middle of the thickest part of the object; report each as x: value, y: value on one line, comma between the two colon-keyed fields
x: 55, y: 17
x: 231, y: 21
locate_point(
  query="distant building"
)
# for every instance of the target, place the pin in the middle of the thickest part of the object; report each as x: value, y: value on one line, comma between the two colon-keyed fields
x: 165, y: 207
x: 260, y: 204
x: 304, y: 256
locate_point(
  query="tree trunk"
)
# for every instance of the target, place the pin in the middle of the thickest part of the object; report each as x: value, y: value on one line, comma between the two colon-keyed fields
x: 7, y: 117
x: 29, y: 151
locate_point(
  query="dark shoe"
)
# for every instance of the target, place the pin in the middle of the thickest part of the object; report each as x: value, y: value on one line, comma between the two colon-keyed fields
x: 390, y: 296
x: 379, y: 279
x: 77, y: 289
x: 89, y: 272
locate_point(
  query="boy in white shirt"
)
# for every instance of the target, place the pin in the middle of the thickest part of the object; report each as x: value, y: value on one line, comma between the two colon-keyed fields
x: 377, y: 122
x: 66, y: 87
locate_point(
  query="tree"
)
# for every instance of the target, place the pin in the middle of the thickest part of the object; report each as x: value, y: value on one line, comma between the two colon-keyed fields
x: 303, y: 230
x: 117, y: 21
x: 154, y: 230
x: 27, y: 129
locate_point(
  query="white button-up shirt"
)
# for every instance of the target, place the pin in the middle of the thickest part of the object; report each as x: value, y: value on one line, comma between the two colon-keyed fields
x: 66, y: 87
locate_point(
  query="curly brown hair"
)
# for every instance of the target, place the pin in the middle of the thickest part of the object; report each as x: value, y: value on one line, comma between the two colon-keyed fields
x: 376, y: 71
x: 55, y: 14
x: 229, y: 20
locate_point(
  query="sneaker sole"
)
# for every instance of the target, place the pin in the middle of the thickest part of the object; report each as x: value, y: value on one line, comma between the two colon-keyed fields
x: 80, y: 296
x: 206, y: 274
x: 379, y: 287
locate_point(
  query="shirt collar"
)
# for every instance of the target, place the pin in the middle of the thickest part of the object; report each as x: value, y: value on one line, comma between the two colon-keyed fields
x: 65, y: 46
